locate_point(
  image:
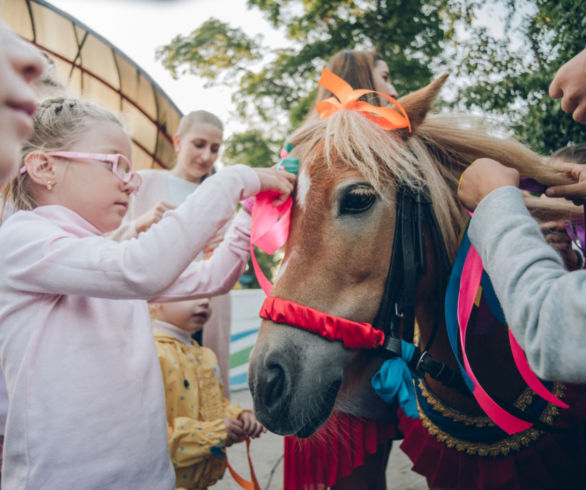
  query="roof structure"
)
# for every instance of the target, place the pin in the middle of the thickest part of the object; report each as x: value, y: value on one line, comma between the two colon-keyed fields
x: 92, y: 67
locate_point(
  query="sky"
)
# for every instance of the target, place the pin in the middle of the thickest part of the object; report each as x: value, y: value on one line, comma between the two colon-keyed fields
x: 139, y: 27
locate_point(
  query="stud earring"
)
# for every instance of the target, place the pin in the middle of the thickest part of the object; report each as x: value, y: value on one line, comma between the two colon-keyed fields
x: 50, y: 185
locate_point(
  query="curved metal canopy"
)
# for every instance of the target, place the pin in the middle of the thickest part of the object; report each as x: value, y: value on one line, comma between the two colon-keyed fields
x: 95, y: 69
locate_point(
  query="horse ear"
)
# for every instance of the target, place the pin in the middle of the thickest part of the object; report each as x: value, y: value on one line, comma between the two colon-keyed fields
x: 417, y: 104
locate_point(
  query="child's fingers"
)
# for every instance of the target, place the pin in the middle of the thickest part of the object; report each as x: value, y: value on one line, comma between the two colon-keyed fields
x: 166, y: 206
x: 573, y: 192
x: 279, y: 182
x: 237, y: 432
x: 257, y: 430
x: 575, y: 171
x: 580, y: 113
x: 245, y: 420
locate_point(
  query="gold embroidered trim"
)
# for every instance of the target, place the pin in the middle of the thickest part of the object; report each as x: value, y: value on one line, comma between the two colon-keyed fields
x: 505, y: 447
x: 452, y: 413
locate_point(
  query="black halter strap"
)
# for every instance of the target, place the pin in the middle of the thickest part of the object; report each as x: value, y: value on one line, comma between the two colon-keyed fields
x: 408, y: 264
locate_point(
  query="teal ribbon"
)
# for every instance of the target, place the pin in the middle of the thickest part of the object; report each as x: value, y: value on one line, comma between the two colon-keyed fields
x: 394, y: 380
x: 290, y: 164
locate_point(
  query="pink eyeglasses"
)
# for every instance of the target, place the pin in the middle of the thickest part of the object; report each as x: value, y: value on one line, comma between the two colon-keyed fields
x: 120, y: 165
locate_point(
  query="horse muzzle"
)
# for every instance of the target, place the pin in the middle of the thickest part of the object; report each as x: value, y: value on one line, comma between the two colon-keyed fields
x: 291, y: 394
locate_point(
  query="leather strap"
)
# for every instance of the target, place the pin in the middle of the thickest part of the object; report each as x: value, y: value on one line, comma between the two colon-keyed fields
x: 408, y: 263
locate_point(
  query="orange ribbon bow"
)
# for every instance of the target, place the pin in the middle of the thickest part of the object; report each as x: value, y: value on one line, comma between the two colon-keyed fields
x: 346, y: 98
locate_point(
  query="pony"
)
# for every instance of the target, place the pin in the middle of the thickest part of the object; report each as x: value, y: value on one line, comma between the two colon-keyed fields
x: 337, y: 260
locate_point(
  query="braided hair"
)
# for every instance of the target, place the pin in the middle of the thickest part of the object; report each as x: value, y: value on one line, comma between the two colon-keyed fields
x: 59, y: 123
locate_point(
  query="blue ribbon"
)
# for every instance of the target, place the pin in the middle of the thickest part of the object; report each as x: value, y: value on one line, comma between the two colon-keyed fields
x: 451, y: 304
x: 394, y: 380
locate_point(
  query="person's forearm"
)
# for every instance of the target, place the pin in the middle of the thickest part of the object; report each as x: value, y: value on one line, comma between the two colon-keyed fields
x: 133, y: 269
x: 543, y: 303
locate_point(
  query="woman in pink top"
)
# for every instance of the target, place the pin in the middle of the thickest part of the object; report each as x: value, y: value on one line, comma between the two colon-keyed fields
x: 87, y: 407
x: 197, y: 145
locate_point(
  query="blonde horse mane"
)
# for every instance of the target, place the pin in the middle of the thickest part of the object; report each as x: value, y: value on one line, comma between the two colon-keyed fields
x: 433, y: 156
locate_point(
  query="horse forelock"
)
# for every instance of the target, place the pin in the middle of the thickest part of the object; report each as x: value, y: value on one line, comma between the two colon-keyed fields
x: 385, y: 159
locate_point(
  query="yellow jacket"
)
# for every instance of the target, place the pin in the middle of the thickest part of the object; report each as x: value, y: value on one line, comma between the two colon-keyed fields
x: 196, y: 409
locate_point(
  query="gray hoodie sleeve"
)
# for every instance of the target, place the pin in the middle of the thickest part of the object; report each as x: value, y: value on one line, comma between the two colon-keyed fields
x: 544, y: 304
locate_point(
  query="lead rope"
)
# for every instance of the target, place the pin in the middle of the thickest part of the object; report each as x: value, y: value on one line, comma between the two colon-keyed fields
x: 251, y: 484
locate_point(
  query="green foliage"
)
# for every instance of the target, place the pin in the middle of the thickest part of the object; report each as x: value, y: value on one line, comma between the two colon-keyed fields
x: 409, y: 34
x: 512, y: 81
x: 267, y: 263
x: 211, y: 51
x: 251, y: 148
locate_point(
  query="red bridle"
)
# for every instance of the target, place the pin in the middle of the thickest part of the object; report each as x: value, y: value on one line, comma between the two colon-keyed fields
x: 354, y: 335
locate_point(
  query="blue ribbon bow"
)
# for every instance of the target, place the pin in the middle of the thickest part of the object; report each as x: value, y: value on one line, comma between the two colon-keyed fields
x: 394, y: 380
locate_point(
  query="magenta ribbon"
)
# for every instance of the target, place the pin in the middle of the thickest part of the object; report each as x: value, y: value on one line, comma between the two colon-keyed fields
x: 269, y: 231
x: 469, y: 285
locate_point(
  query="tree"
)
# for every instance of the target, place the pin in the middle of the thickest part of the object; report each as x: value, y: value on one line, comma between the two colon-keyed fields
x: 512, y: 79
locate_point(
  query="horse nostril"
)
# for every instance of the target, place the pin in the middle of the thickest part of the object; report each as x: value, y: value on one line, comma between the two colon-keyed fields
x: 275, y: 384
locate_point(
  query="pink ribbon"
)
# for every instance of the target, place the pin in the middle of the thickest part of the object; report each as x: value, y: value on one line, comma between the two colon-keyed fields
x: 469, y: 285
x: 269, y: 231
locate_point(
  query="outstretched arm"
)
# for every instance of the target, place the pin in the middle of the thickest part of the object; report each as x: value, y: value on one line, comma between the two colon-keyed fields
x: 56, y: 261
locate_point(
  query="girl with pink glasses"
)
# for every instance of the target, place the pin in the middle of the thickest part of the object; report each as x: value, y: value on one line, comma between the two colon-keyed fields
x: 87, y: 404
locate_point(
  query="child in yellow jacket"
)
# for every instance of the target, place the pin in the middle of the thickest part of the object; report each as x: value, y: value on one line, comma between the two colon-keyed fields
x: 201, y: 422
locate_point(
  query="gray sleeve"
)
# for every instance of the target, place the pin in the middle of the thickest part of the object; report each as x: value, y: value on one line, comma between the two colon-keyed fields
x: 543, y: 303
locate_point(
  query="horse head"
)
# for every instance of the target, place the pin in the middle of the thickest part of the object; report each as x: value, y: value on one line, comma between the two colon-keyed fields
x: 338, y: 253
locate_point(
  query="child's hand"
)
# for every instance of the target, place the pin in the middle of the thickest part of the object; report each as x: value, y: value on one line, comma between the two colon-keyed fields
x: 280, y: 182
x: 574, y: 192
x: 252, y: 427
x: 568, y: 84
x: 235, y: 431
x: 481, y: 178
x: 152, y: 216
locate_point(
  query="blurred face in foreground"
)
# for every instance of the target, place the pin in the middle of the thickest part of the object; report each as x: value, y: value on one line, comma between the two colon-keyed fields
x: 20, y: 65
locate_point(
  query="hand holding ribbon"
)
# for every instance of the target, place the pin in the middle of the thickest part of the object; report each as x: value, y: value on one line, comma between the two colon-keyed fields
x: 270, y: 224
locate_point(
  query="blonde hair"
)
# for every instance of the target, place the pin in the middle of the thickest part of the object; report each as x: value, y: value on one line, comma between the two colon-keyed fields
x: 58, y: 124
x: 195, y: 117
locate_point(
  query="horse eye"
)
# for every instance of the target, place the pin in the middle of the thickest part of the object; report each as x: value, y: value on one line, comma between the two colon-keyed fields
x: 357, y: 199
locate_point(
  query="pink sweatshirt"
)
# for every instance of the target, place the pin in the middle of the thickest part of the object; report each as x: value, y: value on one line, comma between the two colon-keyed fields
x: 87, y: 407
